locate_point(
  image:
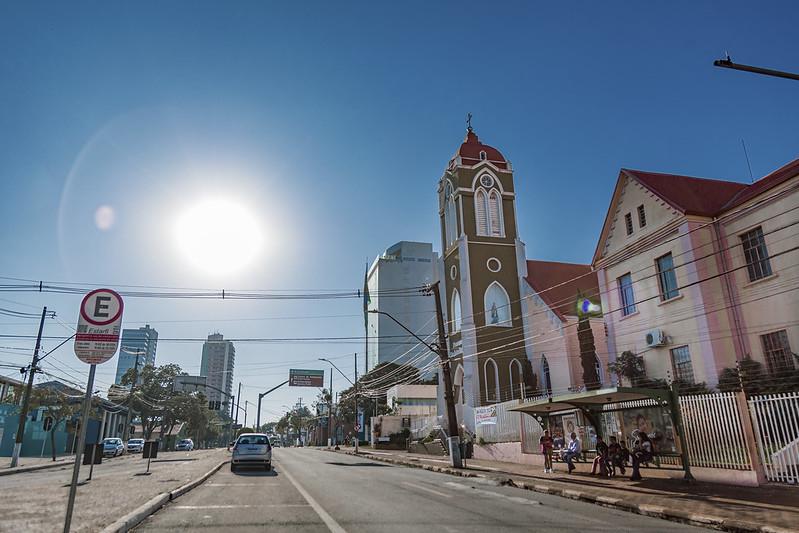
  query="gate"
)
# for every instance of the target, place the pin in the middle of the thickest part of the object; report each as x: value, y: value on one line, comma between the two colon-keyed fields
x: 776, y: 421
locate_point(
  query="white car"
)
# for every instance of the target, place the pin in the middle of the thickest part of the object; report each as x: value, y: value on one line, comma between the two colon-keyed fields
x: 135, y: 445
x: 185, y: 445
x: 113, y: 446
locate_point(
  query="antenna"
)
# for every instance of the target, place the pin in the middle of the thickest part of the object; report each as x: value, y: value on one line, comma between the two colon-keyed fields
x: 747, y: 161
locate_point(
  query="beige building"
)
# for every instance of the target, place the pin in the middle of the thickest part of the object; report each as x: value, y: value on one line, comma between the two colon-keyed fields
x: 696, y: 274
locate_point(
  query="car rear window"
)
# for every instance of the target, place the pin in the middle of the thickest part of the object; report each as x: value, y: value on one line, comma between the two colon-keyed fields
x: 253, y: 440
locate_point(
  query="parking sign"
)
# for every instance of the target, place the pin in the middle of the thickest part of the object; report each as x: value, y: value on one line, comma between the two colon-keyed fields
x: 99, y: 323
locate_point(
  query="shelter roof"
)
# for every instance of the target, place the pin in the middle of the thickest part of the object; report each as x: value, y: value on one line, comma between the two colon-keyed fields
x: 588, y: 399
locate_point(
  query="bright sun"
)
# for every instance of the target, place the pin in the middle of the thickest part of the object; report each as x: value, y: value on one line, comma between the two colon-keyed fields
x: 219, y: 236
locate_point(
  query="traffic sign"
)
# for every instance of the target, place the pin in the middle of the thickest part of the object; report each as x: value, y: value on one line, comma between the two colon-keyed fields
x: 99, y: 325
x: 357, y: 427
x: 306, y: 378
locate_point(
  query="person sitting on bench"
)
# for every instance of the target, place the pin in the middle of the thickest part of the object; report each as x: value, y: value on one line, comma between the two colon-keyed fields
x: 574, y: 450
x: 642, y: 453
x: 601, y: 456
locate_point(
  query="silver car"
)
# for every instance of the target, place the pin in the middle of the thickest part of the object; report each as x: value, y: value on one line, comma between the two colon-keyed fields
x: 135, y: 445
x: 113, y: 447
x: 252, y: 449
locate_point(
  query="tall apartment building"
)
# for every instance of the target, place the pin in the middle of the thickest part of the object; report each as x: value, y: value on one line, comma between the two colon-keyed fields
x: 219, y: 357
x: 142, y: 341
x: 403, y: 266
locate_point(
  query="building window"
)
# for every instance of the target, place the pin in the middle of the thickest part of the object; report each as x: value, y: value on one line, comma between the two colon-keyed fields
x: 626, y: 297
x: 598, y: 368
x: 628, y: 222
x: 777, y: 353
x: 516, y: 381
x: 681, y: 363
x: 641, y: 216
x: 450, y: 218
x: 756, y: 255
x: 482, y: 156
x: 667, y: 279
x: 488, y: 213
x: 497, y: 306
x: 491, y: 380
x: 456, y: 311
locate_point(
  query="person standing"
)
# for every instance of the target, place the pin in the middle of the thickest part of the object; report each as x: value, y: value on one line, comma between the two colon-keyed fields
x: 574, y: 450
x: 547, y: 443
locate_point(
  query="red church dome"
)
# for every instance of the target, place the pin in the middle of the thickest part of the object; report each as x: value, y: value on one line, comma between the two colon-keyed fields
x: 472, y: 151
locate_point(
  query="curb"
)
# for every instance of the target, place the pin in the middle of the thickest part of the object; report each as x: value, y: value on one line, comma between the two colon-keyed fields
x: 673, y: 515
x: 67, y: 461
x: 134, y: 518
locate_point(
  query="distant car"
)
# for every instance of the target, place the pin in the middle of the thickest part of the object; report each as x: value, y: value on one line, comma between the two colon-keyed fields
x: 252, y: 449
x: 135, y: 445
x: 276, y: 444
x: 113, y: 446
x: 186, y: 445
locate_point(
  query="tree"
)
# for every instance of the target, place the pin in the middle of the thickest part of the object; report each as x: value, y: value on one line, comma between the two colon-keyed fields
x: 755, y: 380
x: 585, y: 336
x: 59, y: 406
x: 153, y: 388
x: 629, y: 366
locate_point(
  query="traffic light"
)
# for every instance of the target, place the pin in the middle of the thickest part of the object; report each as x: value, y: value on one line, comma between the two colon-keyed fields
x: 218, y: 405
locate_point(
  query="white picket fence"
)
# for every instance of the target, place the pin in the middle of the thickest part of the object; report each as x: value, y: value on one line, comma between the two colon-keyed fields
x: 776, y: 422
x: 714, y: 434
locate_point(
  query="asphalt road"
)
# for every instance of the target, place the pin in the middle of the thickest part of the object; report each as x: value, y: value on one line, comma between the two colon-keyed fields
x: 36, y: 501
x: 316, y: 490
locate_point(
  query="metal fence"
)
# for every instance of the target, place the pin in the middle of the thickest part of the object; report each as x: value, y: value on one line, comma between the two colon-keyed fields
x: 776, y: 422
x: 422, y: 427
x: 714, y: 434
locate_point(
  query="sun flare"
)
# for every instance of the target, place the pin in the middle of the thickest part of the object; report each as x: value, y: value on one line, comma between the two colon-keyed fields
x: 219, y: 236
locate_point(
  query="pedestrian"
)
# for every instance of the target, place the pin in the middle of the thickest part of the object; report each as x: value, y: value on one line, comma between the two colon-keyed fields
x: 546, y: 443
x: 601, y: 456
x: 614, y: 457
x: 574, y: 450
x: 642, y: 453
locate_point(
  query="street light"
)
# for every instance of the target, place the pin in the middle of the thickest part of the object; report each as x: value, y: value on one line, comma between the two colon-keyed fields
x: 441, y: 350
x: 354, y: 384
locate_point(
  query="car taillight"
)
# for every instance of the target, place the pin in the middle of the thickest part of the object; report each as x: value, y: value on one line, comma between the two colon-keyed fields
x: 235, y: 446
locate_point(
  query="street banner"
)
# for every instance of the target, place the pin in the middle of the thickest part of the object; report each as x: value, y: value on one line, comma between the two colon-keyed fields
x: 485, y: 416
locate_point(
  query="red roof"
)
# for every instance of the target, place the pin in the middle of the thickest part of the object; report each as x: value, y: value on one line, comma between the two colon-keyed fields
x: 471, y: 148
x: 690, y: 196
x: 763, y: 184
x: 558, y: 283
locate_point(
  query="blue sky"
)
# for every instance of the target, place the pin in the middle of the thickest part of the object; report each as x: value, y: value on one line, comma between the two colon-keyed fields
x: 330, y: 124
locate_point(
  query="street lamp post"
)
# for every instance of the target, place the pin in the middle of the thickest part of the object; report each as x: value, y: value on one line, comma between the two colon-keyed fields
x: 260, y: 397
x: 329, y: 443
x: 441, y: 351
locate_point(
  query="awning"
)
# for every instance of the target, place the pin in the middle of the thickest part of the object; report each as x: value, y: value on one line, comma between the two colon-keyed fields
x: 590, y: 399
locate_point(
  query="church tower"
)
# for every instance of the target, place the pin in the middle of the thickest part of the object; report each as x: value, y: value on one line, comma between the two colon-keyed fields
x: 483, y: 266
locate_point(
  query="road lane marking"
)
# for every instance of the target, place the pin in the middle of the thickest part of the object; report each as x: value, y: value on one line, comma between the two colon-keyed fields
x: 244, y: 506
x: 331, y: 524
x: 426, y: 489
x: 241, y: 484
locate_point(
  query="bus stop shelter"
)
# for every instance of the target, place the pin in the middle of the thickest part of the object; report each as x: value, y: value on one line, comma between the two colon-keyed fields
x: 620, y: 400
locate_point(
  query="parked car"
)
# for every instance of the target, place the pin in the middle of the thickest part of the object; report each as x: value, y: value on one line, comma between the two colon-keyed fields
x: 135, y: 445
x: 185, y: 445
x: 113, y: 446
x: 252, y: 449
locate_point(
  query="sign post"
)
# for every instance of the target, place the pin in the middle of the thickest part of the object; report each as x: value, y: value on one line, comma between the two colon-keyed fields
x: 96, y: 342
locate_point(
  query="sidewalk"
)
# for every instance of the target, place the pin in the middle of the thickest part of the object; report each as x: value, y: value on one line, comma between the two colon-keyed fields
x: 771, y: 508
x: 28, y: 464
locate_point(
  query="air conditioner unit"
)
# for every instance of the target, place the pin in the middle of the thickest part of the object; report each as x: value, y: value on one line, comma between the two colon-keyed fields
x: 655, y: 337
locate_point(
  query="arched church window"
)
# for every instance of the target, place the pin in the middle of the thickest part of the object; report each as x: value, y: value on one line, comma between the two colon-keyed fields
x: 455, y: 311
x: 497, y: 306
x: 495, y: 211
x: 491, y: 380
x: 482, y: 155
x: 598, y: 368
x: 450, y: 218
x: 481, y: 208
x: 516, y: 382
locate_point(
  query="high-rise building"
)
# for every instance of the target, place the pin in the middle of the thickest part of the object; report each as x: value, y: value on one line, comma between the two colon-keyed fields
x: 219, y: 357
x: 142, y: 341
x: 406, y: 265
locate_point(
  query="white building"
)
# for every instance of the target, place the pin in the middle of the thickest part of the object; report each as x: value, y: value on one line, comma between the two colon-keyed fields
x: 413, y: 400
x: 393, y: 281
x: 219, y: 357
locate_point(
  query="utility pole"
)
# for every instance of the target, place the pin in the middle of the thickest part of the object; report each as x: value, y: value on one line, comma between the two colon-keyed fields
x: 357, y: 419
x: 330, y: 413
x: 238, y: 406
x: 23, y: 415
x: 449, y: 399
x: 126, y: 433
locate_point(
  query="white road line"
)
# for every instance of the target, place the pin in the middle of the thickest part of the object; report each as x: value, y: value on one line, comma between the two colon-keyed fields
x: 426, y: 489
x: 240, y: 485
x: 331, y: 524
x: 196, y: 507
